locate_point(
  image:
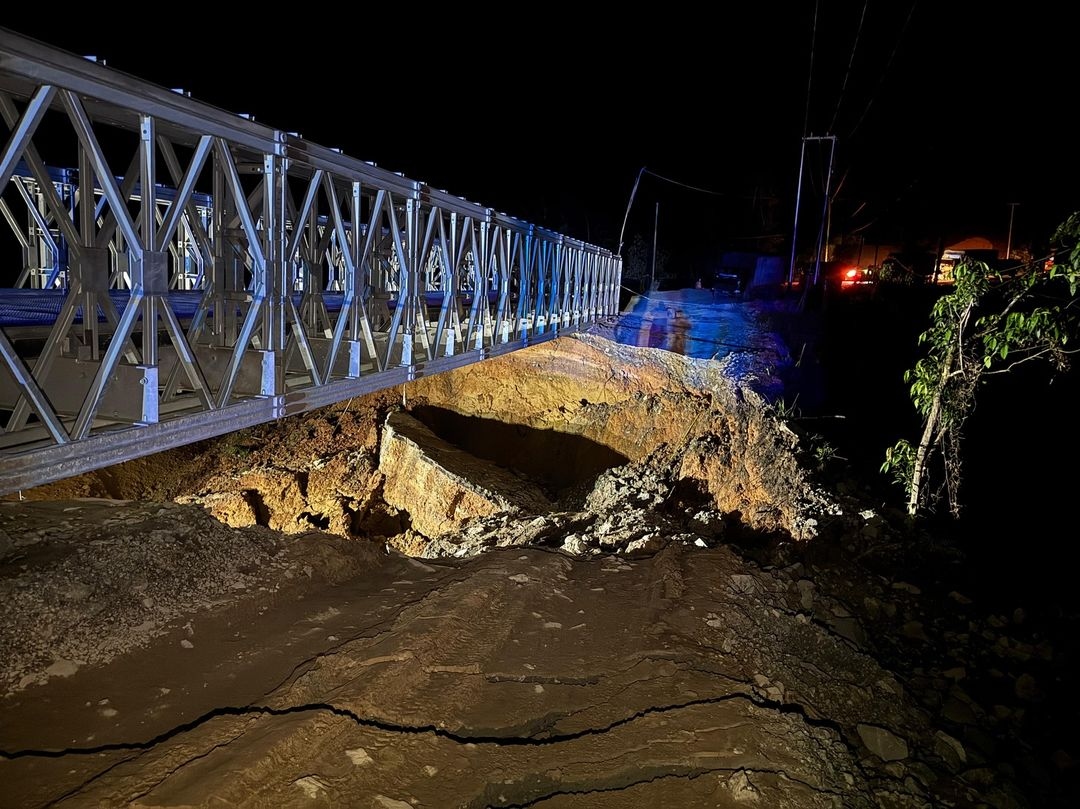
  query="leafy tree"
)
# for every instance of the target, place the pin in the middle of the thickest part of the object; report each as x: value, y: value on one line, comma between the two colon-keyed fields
x: 908, y: 268
x: 986, y: 326
x: 638, y: 263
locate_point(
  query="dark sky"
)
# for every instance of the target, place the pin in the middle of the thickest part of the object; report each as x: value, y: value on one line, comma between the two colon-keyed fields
x: 943, y: 113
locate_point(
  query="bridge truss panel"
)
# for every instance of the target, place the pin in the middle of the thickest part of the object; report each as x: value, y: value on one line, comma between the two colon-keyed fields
x: 190, y: 272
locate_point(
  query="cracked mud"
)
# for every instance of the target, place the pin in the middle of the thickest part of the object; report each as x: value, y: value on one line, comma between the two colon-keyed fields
x: 658, y: 632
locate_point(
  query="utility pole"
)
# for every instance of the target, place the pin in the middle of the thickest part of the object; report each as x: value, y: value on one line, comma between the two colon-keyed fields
x: 795, y: 225
x: 633, y: 192
x: 825, y: 208
x: 1008, y: 244
x: 656, y: 224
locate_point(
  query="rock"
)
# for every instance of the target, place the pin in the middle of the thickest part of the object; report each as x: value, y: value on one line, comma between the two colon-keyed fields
x: 883, y: 743
x: 646, y: 545
x: 849, y: 629
x: 950, y: 750
x: 959, y: 711
x: 914, y: 630
x: 78, y: 592
x: 575, y: 545
x: 359, y: 756
x: 1027, y: 688
x: 744, y: 583
x: 872, y: 607
x: 914, y: 788
x: 443, y: 487
x: 311, y: 786
x: 906, y: 587
x: 62, y: 668
x: 795, y: 571
x: 741, y: 788
x: 1062, y: 760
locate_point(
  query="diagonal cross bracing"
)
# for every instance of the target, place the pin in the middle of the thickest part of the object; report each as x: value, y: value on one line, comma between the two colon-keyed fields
x: 270, y: 276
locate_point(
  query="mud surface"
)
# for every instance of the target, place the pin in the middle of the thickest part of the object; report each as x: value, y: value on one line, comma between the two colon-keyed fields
x: 699, y: 614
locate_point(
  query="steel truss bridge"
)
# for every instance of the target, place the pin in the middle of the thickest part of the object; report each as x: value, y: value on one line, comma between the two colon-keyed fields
x: 177, y: 272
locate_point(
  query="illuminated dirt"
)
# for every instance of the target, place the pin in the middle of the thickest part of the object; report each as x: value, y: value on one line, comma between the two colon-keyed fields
x: 556, y: 415
x: 582, y: 575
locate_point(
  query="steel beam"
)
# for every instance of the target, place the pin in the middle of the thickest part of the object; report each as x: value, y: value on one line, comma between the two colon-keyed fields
x: 397, y: 258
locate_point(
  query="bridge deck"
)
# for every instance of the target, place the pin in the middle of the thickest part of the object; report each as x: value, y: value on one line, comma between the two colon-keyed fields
x: 20, y: 308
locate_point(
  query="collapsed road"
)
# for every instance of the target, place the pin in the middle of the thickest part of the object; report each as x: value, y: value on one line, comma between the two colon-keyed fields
x: 619, y: 579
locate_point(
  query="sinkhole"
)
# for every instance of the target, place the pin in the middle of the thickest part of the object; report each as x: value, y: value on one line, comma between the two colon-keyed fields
x: 557, y: 462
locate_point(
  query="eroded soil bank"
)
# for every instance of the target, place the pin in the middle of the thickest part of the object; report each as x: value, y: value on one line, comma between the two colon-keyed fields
x: 552, y: 417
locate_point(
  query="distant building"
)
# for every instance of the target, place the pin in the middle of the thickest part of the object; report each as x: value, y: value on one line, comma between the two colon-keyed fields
x: 921, y: 264
x: 750, y: 272
x: 973, y: 247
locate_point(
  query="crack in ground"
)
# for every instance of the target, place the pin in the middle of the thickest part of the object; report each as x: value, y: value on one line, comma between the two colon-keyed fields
x: 186, y: 762
x: 382, y: 626
x: 97, y: 776
x: 690, y: 640
x: 752, y: 696
x: 393, y: 727
x: 689, y: 774
x: 545, y: 679
x: 76, y: 790
x: 674, y: 657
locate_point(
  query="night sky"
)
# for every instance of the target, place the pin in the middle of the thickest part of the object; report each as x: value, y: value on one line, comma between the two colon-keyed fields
x: 943, y: 116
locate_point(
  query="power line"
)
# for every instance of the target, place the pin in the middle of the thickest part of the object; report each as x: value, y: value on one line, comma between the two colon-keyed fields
x: 686, y: 185
x: 851, y: 61
x: 637, y: 182
x: 885, y: 71
x: 810, y: 72
x: 881, y: 80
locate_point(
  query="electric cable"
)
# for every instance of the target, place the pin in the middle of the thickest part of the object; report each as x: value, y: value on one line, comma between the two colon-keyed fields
x: 810, y: 72
x: 686, y: 185
x: 851, y: 62
x: 885, y: 72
